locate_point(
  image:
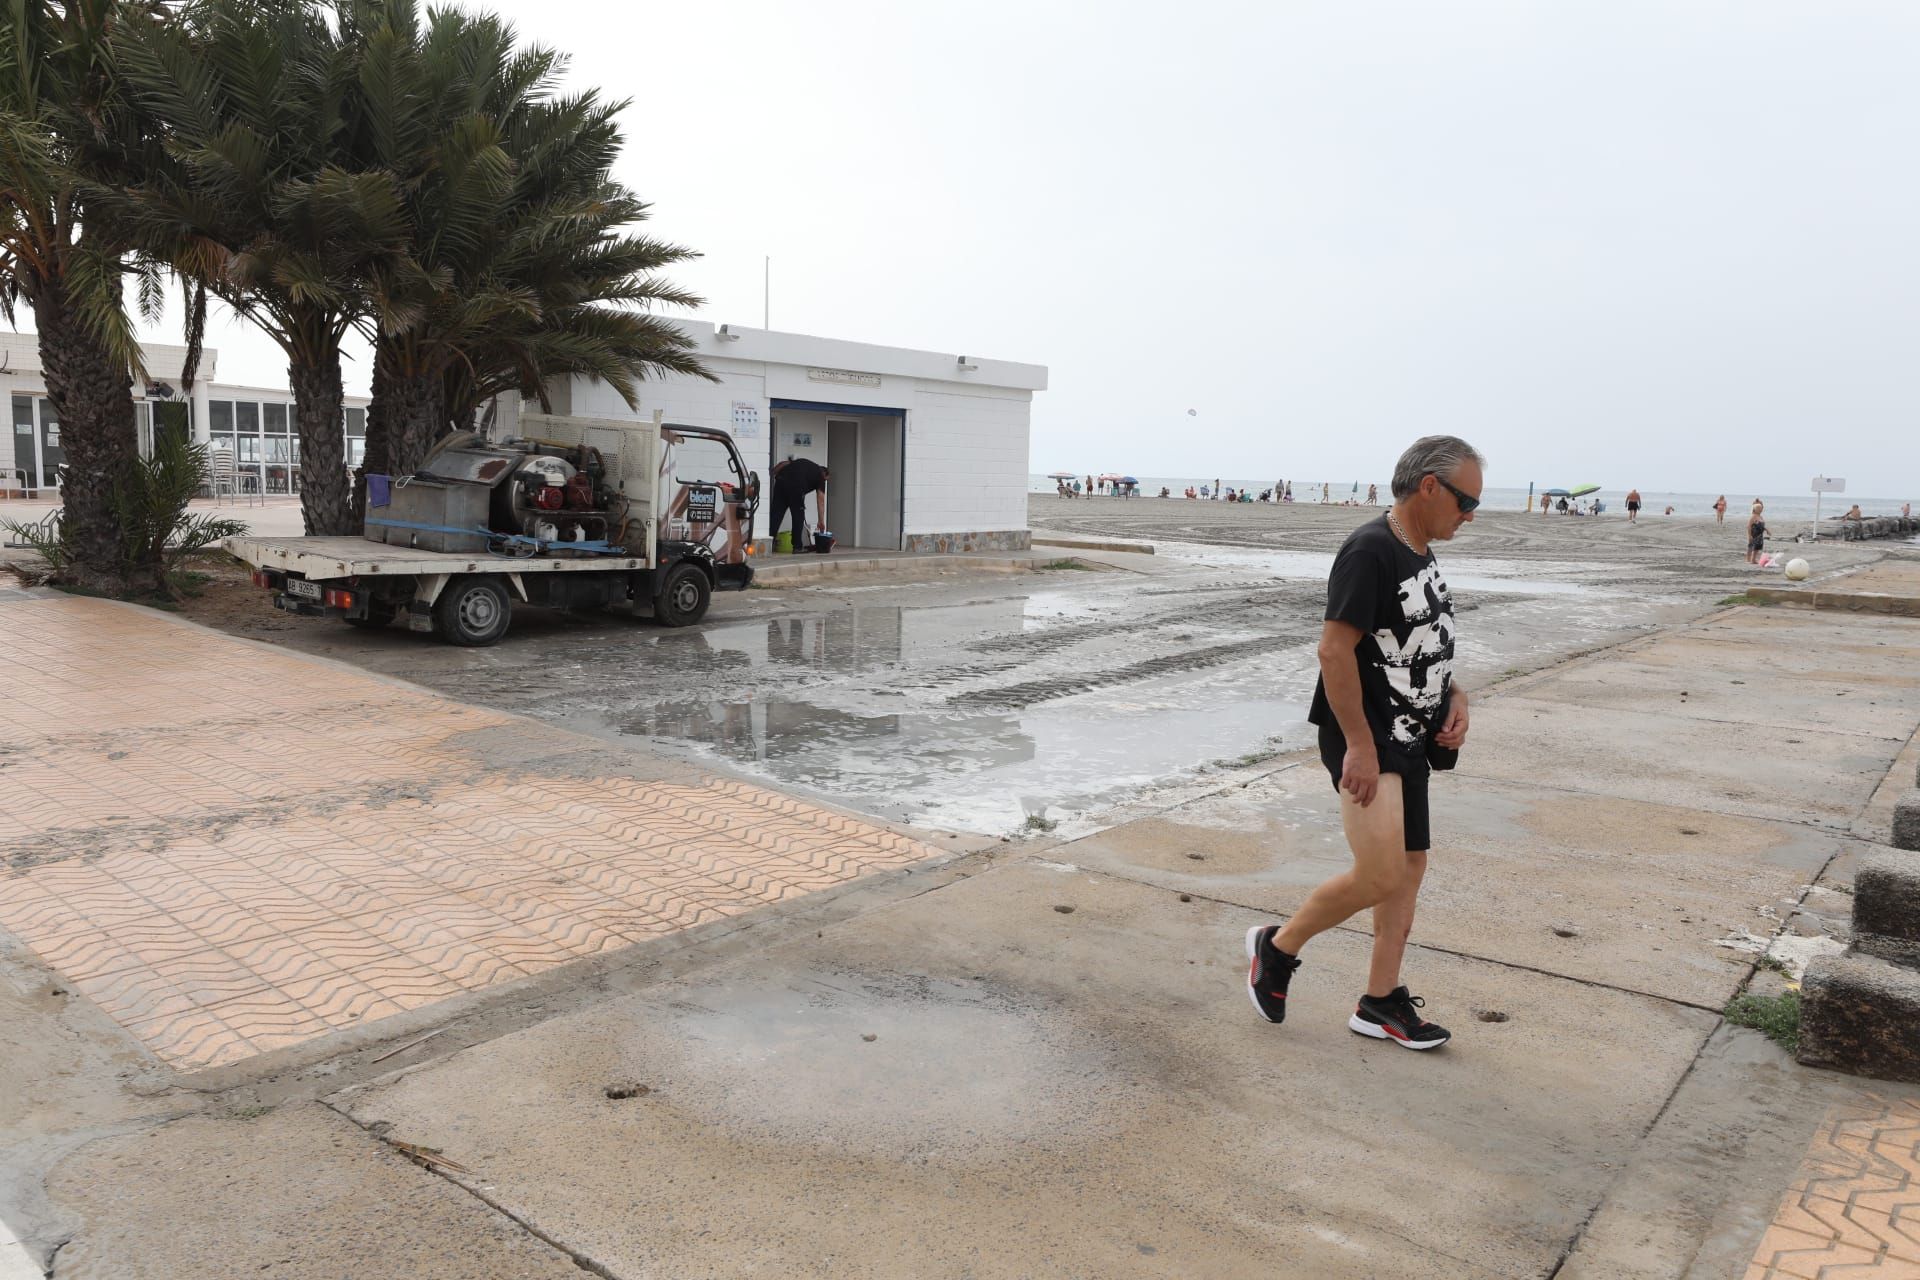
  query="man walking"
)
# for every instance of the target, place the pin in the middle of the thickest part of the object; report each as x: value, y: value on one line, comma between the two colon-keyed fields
x: 1385, y: 700
x: 793, y: 480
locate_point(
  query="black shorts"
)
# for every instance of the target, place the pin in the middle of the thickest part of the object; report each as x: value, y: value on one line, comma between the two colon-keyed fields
x: 1413, y: 771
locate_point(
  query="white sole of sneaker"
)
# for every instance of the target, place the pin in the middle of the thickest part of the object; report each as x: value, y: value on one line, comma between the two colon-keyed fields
x: 1378, y: 1032
x: 1253, y: 949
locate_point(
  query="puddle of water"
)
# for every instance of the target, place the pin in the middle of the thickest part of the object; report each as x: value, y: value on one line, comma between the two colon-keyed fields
x: 1060, y: 702
x: 855, y: 706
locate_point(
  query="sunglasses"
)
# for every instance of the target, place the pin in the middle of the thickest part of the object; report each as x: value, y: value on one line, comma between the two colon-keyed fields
x: 1466, y: 500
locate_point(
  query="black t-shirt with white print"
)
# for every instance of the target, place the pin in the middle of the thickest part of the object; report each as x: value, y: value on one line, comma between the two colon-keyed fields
x: 1400, y: 601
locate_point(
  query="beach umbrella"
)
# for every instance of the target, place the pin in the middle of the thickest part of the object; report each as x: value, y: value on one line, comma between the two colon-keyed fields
x: 1110, y: 475
x: 1555, y: 493
x: 1582, y: 490
x: 1128, y: 480
x: 1063, y: 475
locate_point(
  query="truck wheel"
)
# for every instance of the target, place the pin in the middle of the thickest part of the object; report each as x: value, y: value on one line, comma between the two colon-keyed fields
x: 379, y: 615
x: 683, y: 597
x: 472, y: 612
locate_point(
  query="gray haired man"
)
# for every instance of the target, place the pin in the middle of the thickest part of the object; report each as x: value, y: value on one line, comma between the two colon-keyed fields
x: 1386, y: 698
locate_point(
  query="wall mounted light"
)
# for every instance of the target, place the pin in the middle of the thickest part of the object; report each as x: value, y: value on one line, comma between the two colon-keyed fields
x: 726, y: 332
x: 966, y: 365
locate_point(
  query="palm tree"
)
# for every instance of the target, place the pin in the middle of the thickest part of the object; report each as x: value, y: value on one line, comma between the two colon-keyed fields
x: 60, y: 109
x: 518, y: 271
x: 262, y: 198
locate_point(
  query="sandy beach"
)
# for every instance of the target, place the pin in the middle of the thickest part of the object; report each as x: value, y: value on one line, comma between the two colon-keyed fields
x: 1691, y: 554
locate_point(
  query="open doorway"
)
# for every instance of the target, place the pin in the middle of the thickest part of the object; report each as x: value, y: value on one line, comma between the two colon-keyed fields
x: 864, y: 449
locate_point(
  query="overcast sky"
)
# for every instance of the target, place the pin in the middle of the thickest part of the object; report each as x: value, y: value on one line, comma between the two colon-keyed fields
x: 1670, y: 245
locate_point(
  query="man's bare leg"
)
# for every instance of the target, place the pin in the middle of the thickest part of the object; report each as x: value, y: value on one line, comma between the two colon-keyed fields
x: 1377, y: 834
x: 1392, y: 923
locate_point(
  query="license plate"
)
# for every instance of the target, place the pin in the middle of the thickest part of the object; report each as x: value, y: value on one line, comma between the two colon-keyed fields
x: 301, y: 587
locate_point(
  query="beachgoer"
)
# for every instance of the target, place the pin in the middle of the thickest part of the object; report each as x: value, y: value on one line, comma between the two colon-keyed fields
x: 1089, y: 486
x: 1216, y: 486
x: 1906, y: 510
x: 1373, y: 495
x: 1386, y: 662
x: 1288, y: 497
x: 1853, y: 513
x: 793, y: 480
x: 1756, y: 532
x: 1633, y: 506
x: 1326, y: 492
x: 1669, y: 511
x: 1563, y: 506
x: 1720, y: 509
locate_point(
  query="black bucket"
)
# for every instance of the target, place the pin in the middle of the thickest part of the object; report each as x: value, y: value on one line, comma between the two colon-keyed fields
x: 822, y: 543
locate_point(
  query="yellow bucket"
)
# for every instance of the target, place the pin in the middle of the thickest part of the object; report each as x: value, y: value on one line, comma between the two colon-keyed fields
x: 782, y: 542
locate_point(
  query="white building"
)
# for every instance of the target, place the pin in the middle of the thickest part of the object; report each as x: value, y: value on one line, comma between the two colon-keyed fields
x: 928, y: 450
x: 256, y: 423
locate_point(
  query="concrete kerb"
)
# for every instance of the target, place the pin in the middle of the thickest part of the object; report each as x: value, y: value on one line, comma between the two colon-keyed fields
x: 1846, y: 601
x: 1886, y: 906
x: 1906, y: 821
x: 1857, y: 1015
x: 1094, y: 544
x: 817, y: 568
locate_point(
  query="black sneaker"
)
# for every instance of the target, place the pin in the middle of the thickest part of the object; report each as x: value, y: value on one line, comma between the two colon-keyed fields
x: 1396, y: 1017
x: 1269, y: 970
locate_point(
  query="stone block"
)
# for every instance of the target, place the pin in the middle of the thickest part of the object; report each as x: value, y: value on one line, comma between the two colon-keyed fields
x: 1861, y: 1015
x: 1886, y: 907
x: 1906, y: 821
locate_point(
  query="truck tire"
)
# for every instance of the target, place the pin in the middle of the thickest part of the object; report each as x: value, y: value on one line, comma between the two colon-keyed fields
x: 683, y: 597
x: 380, y: 614
x: 473, y: 612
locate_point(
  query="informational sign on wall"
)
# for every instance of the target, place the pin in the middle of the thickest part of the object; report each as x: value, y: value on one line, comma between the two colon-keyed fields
x: 803, y: 439
x: 845, y: 377
x: 746, y: 420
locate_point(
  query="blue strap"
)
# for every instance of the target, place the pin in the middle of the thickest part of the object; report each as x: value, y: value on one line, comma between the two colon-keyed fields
x: 510, y: 539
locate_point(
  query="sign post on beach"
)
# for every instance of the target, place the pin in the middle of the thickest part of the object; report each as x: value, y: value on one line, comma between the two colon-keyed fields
x: 1823, y: 484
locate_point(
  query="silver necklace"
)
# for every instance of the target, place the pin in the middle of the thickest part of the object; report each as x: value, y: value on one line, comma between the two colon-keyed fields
x: 1393, y: 523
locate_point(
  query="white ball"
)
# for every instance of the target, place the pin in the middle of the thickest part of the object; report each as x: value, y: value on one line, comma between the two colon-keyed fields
x: 1798, y: 569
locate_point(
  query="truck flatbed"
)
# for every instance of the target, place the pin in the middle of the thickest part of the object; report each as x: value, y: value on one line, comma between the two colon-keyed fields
x: 347, y: 557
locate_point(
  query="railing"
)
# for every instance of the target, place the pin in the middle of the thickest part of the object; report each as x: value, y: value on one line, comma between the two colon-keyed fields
x: 29, y: 491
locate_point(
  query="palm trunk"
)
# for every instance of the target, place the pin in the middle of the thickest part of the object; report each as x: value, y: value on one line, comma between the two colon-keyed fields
x: 93, y: 394
x: 414, y: 420
x: 325, y: 504
x: 377, y: 459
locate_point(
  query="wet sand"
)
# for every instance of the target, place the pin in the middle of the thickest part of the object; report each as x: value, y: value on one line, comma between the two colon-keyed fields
x: 1002, y: 703
x: 1690, y: 554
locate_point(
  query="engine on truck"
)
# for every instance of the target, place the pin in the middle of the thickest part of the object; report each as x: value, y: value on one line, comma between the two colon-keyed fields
x: 554, y: 492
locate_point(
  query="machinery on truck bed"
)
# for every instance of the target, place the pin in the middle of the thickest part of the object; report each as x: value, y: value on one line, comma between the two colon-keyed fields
x: 577, y: 513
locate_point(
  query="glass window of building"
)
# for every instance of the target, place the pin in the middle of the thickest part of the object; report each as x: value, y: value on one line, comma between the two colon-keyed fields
x: 276, y: 416
x: 356, y: 422
x: 220, y: 423
x: 23, y: 451
x: 246, y: 418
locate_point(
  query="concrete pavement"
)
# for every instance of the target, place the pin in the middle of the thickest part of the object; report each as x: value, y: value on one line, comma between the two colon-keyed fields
x: 1034, y: 1060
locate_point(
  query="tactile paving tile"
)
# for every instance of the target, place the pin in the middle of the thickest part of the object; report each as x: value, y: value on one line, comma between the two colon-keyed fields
x: 1854, y: 1211
x: 230, y: 849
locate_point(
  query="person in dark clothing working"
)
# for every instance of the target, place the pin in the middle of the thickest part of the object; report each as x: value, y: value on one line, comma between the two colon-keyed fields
x: 793, y: 480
